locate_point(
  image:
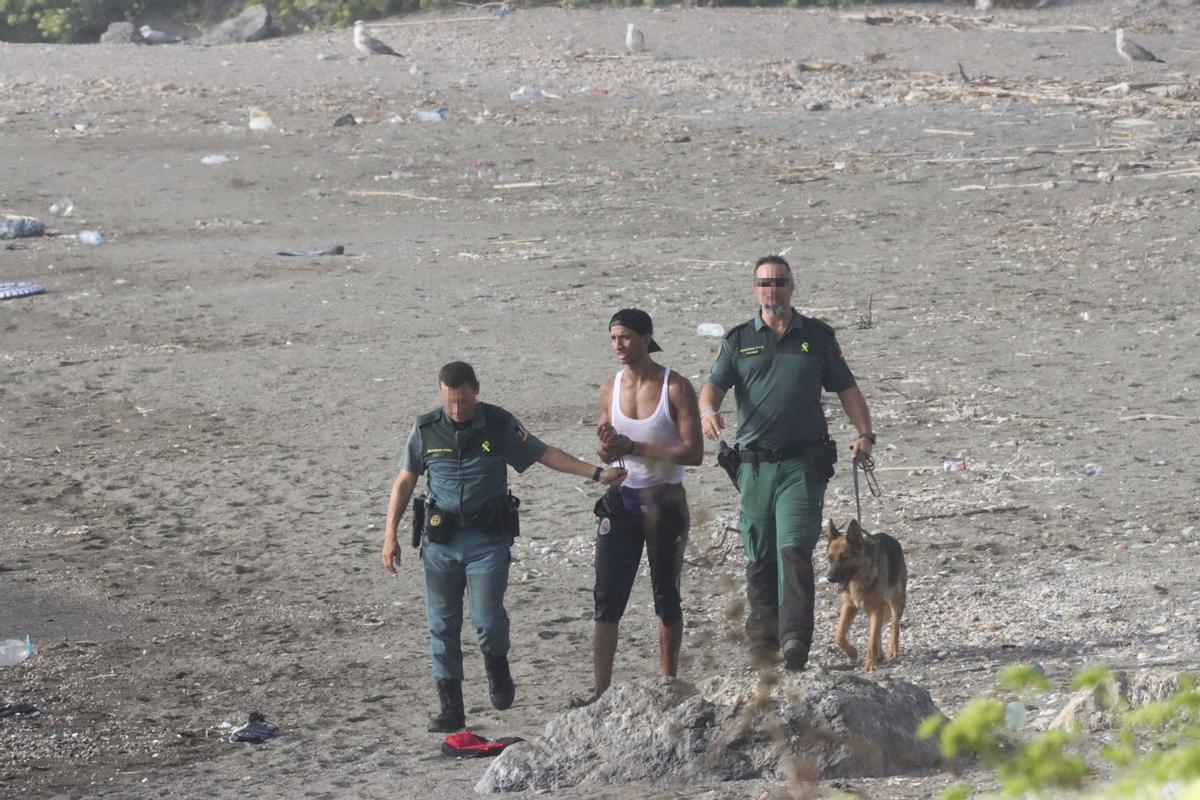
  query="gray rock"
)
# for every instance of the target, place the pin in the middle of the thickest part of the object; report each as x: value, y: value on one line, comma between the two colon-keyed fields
x: 831, y: 726
x: 119, y: 33
x: 249, y: 26
x: 1092, y: 709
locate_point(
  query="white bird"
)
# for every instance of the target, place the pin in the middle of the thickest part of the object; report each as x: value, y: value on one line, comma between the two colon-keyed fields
x: 151, y: 36
x: 1132, y: 52
x: 635, y: 42
x: 983, y: 6
x: 368, y: 45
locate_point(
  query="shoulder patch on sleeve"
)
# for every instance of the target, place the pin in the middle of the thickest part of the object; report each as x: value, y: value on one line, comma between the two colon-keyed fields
x: 522, y: 433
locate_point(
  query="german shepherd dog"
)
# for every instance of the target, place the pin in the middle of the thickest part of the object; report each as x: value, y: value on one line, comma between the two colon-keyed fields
x: 871, y: 575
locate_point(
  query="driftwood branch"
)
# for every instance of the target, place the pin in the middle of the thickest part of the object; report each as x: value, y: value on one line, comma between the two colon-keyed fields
x: 968, y: 513
x: 409, y: 195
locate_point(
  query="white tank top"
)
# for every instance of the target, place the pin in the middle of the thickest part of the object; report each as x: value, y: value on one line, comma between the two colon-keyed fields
x: 658, y: 428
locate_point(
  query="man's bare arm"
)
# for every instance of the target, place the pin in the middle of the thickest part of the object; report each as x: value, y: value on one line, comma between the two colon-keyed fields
x: 710, y: 410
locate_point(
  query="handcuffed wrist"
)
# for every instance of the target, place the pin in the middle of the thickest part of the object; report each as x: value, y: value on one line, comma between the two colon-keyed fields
x: 708, y: 412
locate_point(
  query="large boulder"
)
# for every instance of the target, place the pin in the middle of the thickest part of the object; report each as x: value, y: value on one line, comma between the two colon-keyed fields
x: 119, y: 33
x: 820, y: 725
x: 249, y: 26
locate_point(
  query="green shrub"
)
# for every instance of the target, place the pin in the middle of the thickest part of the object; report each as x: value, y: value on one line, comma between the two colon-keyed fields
x: 1156, y: 745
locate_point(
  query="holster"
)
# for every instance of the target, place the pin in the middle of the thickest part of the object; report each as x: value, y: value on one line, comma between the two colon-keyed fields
x: 509, y: 517
x: 729, y: 460
x: 418, y: 519
x: 610, y: 504
x: 500, y: 514
x: 822, y: 456
x: 439, y: 524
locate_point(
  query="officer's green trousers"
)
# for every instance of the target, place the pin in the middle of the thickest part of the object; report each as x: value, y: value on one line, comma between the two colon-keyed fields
x: 781, y: 523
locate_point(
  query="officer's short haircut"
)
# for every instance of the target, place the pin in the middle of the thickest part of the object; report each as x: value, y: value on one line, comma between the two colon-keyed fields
x: 457, y: 374
x: 777, y: 260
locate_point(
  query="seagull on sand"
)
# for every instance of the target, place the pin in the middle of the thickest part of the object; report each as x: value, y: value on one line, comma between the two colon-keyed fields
x: 635, y: 42
x: 151, y: 36
x: 368, y: 45
x: 1133, y: 52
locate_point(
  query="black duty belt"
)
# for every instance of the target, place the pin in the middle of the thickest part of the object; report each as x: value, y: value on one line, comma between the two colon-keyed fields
x: 757, y: 456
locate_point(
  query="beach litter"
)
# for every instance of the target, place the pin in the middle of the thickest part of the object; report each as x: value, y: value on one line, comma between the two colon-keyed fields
x: 532, y: 94
x: 11, y: 290
x: 323, y: 250
x: 433, y: 116
x: 260, y: 120
x: 256, y: 731
x: 19, y: 710
x: 472, y: 745
x: 14, y: 651
x: 17, y: 227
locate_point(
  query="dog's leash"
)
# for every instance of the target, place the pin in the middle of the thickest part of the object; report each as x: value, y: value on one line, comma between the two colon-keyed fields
x: 867, y: 465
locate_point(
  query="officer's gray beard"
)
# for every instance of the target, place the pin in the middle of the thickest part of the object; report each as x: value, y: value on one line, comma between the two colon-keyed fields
x: 773, y: 311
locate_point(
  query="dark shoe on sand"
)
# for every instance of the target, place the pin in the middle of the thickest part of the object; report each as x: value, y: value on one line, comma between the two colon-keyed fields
x: 500, y: 682
x: 452, y: 717
x: 795, y: 655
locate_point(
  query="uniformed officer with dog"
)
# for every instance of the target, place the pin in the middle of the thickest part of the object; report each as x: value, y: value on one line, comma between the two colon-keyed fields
x: 466, y: 525
x: 777, y: 364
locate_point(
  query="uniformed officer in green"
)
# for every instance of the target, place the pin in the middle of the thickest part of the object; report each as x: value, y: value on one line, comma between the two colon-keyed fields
x: 777, y: 364
x: 466, y: 447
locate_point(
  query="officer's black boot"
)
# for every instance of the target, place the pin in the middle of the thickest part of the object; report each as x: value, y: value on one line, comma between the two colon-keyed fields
x: 500, y: 682
x: 796, y: 616
x: 762, y: 623
x: 452, y: 718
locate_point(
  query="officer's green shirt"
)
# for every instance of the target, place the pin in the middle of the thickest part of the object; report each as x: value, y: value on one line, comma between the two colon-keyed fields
x: 468, y: 467
x: 778, y: 380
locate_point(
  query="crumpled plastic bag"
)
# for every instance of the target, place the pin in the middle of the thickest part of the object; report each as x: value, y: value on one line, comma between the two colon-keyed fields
x: 256, y: 731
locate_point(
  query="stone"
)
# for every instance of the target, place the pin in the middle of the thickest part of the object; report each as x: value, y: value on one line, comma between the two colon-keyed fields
x: 1091, y: 711
x: 249, y: 26
x: 833, y: 725
x: 119, y: 33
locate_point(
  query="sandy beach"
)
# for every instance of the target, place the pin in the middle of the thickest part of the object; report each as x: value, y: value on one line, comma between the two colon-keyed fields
x: 198, y: 435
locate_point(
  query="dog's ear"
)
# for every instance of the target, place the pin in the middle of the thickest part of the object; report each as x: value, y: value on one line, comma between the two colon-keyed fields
x: 832, y: 530
x: 854, y: 530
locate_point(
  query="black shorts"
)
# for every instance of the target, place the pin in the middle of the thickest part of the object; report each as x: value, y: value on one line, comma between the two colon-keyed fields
x: 656, y: 517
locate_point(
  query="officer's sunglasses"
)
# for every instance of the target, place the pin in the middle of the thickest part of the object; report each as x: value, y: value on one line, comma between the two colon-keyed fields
x: 765, y: 282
